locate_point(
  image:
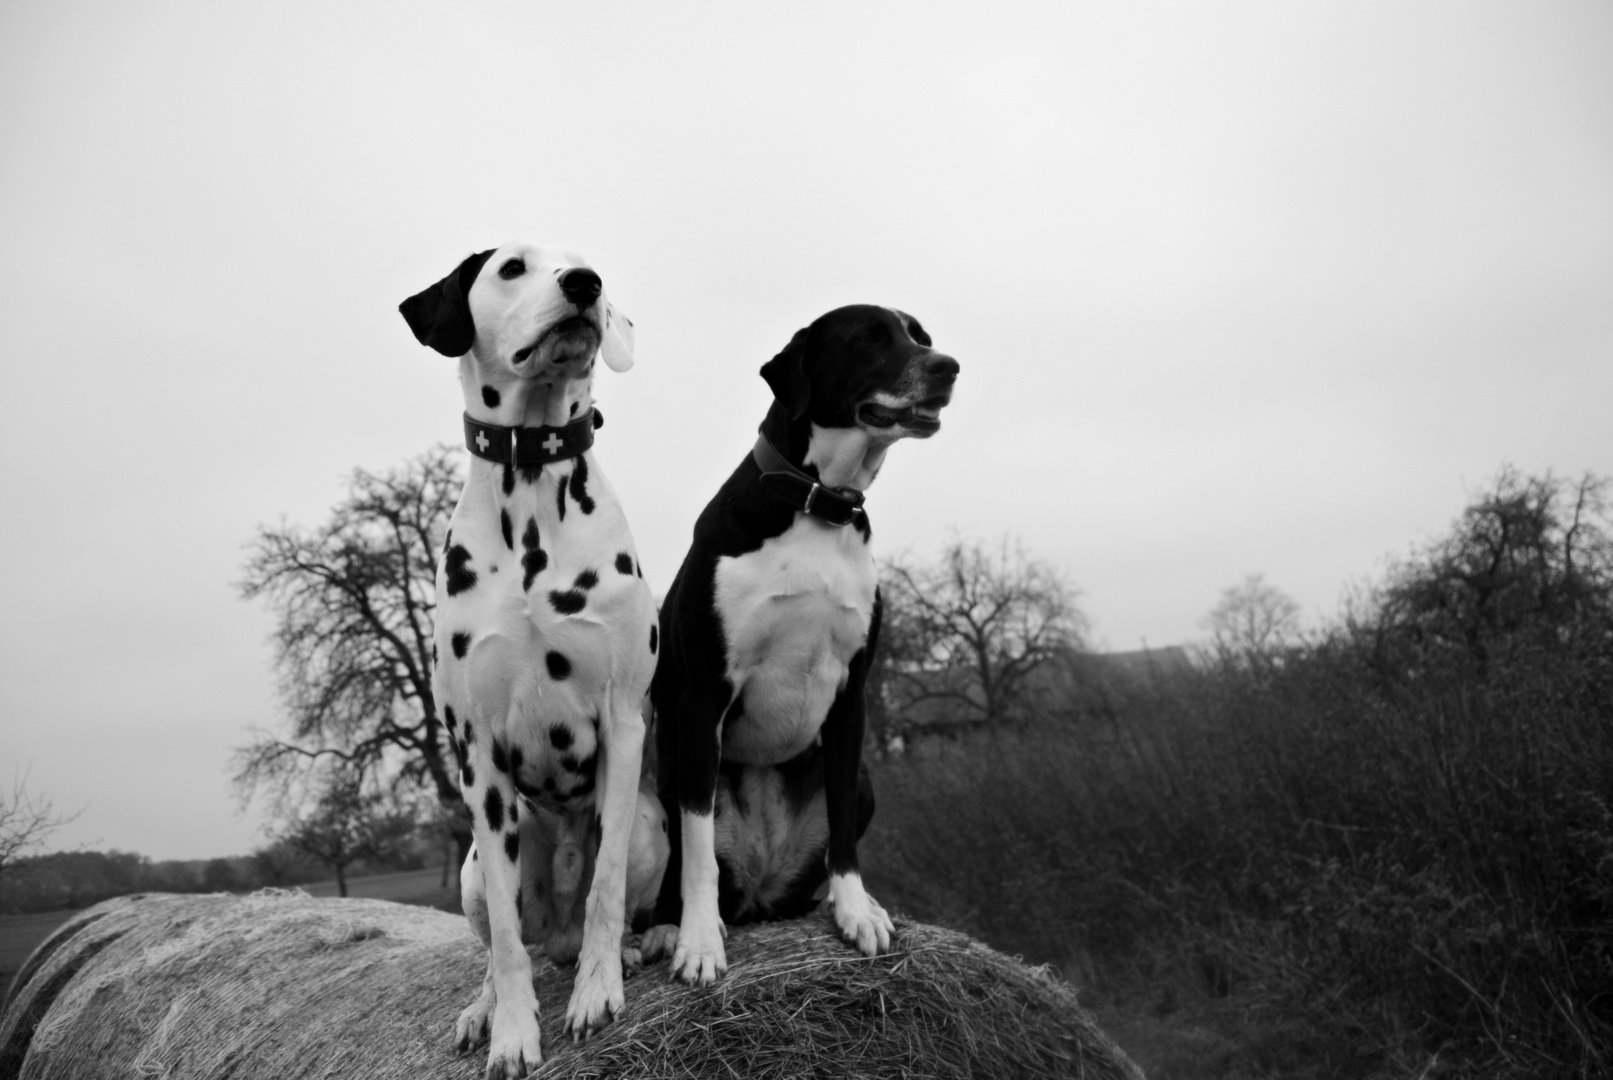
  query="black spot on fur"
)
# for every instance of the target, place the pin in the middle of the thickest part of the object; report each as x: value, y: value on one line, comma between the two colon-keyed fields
x: 448, y: 715
x: 569, y: 602
x: 501, y: 762
x: 560, y: 737
x: 494, y: 808
x: 470, y: 734
x: 560, y: 497
x: 559, y: 666
x: 586, y: 580
x: 530, y: 473
x: 579, y: 486
x: 509, y: 479
x: 654, y: 635
x: 624, y: 564
x: 507, y: 529
x: 513, y: 815
x: 583, y: 787
x: 447, y: 540
x: 456, y: 568
x: 535, y: 558
x: 460, y: 642
x: 516, y: 757
x: 467, y: 774
x: 574, y: 407
x: 489, y: 397
x: 587, y: 764
x: 434, y: 652
x: 512, y: 846
x: 569, y: 763
x: 517, y: 896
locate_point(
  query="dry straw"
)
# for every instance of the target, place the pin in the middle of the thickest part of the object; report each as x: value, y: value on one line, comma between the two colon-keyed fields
x: 280, y: 985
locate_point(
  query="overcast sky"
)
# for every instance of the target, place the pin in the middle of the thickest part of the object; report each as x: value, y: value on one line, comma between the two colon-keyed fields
x: 1235, y: 288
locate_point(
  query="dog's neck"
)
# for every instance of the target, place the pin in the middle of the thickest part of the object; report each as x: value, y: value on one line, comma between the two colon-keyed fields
x: 848, y: 457
x: 543, y: 401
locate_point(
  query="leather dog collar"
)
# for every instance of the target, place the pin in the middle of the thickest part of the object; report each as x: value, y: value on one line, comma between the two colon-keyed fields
x: 782, y: 480
x: 531, y: 445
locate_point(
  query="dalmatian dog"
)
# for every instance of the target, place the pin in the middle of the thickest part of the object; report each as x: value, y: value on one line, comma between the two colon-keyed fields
x: 546, y: 632
x: 767, y: 635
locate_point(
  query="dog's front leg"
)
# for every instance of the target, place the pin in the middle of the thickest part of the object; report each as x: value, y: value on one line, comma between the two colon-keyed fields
x: 596, y: 994
x: 471, y: 1027
x: 699, y: 958
x: 857, y: 915
x: 515, y: 1039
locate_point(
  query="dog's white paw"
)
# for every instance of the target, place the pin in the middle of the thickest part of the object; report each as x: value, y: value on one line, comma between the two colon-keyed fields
x: 860, y: 920
x: 471, y: 1027
x: 516, y: 1045
x: 596, y: 997
x: 658, y: 942
x: 699, y: 958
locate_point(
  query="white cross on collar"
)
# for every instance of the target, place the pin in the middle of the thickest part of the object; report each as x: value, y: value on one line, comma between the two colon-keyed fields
x: 481, y: 441
x: 553, y: 443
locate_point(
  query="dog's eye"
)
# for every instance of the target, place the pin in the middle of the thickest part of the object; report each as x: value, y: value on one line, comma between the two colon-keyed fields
x: 512, y: 268
x: 876, y: 334
x: 916, y: 332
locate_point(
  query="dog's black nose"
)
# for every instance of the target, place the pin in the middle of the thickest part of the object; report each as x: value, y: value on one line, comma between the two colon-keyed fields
x: 941, y: 368
x: 581, y: 286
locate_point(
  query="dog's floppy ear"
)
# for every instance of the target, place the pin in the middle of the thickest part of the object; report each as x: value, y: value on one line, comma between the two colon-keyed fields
x: 617, y: 348
x: 440, y: 314
x: 786, y: 374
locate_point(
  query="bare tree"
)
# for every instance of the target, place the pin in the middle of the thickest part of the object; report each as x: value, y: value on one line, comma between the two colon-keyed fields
x: 968, y: 631
x: 26, y: 820
x: 354, y: 601
x: 1253, y: 621
x: 347, y: 823
x: 1528, y: 565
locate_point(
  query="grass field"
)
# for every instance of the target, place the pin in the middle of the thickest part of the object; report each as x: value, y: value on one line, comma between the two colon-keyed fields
x: 21, y: 934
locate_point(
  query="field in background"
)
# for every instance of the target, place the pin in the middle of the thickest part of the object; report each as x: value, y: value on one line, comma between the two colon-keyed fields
x: 1295, y: 872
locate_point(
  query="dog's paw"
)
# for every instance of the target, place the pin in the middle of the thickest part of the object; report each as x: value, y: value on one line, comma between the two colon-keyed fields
x: 596, y: 997
x: 471, y: 1027
x: 658, y: 942
x: 516, y: 1048
x: 632, y: 955
x: 862, y: 922
x: 699, y: 958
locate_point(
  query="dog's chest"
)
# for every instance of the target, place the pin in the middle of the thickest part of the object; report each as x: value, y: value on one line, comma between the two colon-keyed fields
x: 794, y: 613
x: 541, y: 606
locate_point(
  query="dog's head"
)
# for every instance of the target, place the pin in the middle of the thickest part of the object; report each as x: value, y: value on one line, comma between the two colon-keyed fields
x: 865, y: 367
x: 524, y: 311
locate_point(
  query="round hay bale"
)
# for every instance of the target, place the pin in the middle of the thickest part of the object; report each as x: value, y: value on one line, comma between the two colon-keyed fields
x: 278, y: 984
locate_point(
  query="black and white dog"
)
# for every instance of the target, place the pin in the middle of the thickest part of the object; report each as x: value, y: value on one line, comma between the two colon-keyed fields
x: 545, y: 639
x: 767, y: 635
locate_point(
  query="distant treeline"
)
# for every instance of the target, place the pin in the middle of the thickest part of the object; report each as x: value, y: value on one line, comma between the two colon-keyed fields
x: 77, y: 879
